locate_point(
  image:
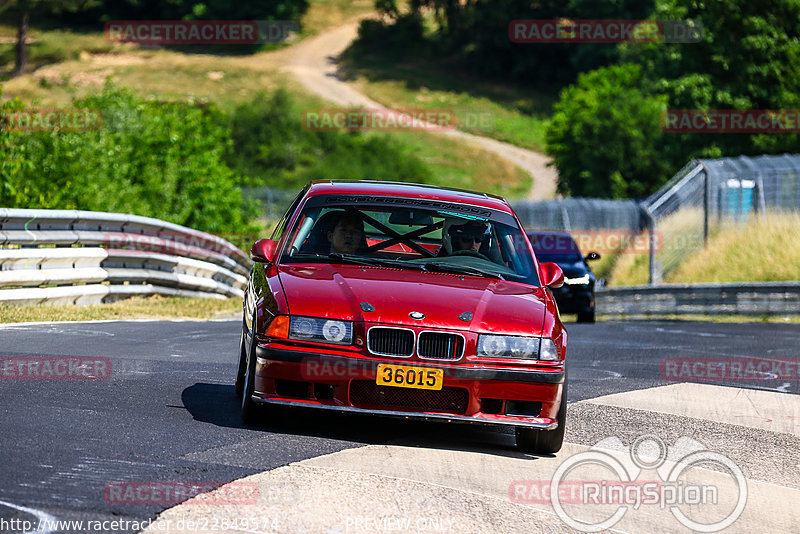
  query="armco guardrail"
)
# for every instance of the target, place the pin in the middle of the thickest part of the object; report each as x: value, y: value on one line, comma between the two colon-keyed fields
x: 741, y: 298
x: 82, y: 257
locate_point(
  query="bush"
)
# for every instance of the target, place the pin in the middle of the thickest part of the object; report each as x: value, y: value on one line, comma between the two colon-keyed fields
x: 158, y: 159
x: 272, y: 149
x: 401, y: 38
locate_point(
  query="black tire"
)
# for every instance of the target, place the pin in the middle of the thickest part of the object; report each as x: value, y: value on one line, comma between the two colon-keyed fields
x: 545, y: 441
x: 250, y: 408
x: 586, y: 317
x: 242, y: 369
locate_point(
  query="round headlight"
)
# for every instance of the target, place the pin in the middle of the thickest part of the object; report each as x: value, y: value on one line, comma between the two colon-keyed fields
x: 524, y: 347
x: 334, y: 331
x: 495, y: 345
x: 303, y: 327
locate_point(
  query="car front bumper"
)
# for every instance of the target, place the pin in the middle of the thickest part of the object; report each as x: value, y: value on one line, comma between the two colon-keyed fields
x: 471, y: 393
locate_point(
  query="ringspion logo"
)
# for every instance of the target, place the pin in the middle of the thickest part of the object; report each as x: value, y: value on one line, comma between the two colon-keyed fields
x: 588, y: 503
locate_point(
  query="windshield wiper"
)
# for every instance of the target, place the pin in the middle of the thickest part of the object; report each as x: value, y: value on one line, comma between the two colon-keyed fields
x: 375, y: 262
x: 460, y: 269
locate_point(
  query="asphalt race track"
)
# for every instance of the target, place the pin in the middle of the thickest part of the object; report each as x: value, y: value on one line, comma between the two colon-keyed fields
x: 167, y: 412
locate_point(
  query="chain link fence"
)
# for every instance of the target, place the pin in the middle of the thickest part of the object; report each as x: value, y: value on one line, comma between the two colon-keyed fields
x: 570, y: 214
x: 709, y: 193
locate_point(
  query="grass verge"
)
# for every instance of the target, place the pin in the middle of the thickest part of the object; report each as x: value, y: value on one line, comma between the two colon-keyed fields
x: 228, y: 82
x: 783, y: 319
x: 765, y: 249
x: 153, y: 307
x: 514, y: 115
x: 324, y: 14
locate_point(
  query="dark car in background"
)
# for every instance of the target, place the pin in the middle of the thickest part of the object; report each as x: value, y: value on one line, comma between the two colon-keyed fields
x: 577, y: 293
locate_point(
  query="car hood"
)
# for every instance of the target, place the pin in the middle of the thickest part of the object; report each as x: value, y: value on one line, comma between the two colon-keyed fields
x: 337, y: 291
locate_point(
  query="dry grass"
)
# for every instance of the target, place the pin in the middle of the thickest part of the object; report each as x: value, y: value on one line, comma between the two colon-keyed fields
x: 427, y: 87
x: 778, y: 319
x: 232, y: 80
x: 152, y: 73
x: 765, y: 249
x: 603, y: 267
x: 154, y: 307
x: 679, y: 235
x: 324, y: 14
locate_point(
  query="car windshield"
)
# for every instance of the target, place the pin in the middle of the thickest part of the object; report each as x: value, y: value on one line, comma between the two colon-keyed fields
x: 559, y: 248
x: 414, y: 234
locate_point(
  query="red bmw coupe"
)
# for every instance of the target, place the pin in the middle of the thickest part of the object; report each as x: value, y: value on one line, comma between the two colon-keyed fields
x: 408, y: 300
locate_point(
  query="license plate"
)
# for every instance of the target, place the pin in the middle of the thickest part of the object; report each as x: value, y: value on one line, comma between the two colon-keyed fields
x: 403, y: 376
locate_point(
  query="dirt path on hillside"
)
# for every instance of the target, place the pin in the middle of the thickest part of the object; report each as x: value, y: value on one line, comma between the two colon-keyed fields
x: 313, y: 63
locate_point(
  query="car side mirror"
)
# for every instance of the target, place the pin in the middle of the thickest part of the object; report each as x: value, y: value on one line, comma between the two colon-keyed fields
x: 551, y: 274
x: 592, y: 256
x: 264, y: 250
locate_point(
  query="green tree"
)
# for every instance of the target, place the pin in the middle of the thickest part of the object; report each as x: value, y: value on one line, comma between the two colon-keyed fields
x: 474, y: 33
x: 748, y: 58
x: 604, y: 136
x: 23, y: 9
x: 12, y: 192
x: 158, y: 159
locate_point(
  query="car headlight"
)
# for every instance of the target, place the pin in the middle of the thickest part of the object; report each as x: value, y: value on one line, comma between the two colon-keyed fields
x: 548, y: 350
x: 534, y: 348
x: 579, y: 281
x: 321, y: 330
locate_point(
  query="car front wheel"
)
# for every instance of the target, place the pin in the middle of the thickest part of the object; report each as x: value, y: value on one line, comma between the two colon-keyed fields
x: 242, y: 368
x: 249, y: 408
x: 545, y: 441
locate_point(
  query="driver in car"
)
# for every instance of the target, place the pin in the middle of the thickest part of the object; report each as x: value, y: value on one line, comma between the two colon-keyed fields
x: 347, y: 234
x: 468, y: 236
